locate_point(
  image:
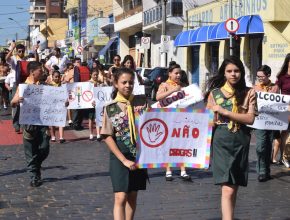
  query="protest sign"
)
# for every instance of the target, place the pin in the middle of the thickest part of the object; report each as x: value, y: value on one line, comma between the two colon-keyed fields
x: 42, y: 105
x: 185, y: 97
x: 80, y: 95
x: 174, y: 137
x: 273, y: 111
x: 138, y: 89
x: 102, y: 97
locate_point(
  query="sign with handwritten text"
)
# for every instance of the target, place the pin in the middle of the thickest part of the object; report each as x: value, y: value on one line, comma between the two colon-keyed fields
x: 273, y: 111
x: 42, y: 105
x: 174, y: 137
x: 185, y: 97
x: 80, y: 95
x: 102, y: 97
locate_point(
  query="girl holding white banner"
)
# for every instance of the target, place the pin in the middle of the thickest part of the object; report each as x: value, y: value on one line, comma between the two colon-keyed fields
x: 235, y: 106
x: 119, y: 133
x: 173, y: 84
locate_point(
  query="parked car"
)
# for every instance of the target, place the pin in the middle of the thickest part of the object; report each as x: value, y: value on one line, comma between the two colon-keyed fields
x: 156, y: 77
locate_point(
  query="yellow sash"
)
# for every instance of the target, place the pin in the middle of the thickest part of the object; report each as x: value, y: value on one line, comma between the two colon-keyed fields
x: 266, y: 87
x: 55, y: 84
x: 232, y: 126
x: 122, y: 99
x: 171, y: 82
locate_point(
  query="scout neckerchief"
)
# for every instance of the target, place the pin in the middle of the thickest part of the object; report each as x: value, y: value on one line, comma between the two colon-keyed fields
x: 171, y: 82
x: 266, y: 87
x: 95, y: 82
x: 232, y: 126
x: 128, y: 102
x: 27, y: 81
x: 55, y: 84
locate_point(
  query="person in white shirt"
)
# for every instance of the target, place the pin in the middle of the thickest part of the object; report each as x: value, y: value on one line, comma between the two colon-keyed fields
x: 56, y: 62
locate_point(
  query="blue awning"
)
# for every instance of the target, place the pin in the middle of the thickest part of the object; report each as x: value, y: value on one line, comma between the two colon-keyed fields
x: 105, y: 48
x: 249, y: 24
x: 183, y: 38
x: 201, y: 35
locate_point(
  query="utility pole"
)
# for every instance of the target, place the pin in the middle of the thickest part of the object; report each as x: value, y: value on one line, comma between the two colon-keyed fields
x: 16, y: 37
x: 163, y: 53
x: 231, y: 35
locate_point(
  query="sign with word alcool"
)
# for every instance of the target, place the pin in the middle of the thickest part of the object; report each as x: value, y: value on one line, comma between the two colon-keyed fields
x: 80, y: 95
x: 174, y: 138
x: 43, y: 105
x: 273, y: 111
x: 185, y: 97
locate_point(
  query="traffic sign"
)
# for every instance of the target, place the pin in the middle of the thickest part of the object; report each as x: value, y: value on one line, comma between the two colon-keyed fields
x: 165, y: 43
x: 145, y: 43
x: 232, y: 25
x: 80, y: 49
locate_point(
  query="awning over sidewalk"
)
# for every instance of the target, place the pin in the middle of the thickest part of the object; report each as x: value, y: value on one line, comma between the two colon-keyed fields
x: 108, y: 45
x: 249, y: 24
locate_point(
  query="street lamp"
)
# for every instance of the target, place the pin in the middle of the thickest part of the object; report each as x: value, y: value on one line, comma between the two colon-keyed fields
x: 28, y: 34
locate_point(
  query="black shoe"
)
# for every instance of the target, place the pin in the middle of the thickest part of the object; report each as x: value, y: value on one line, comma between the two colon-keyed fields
x: 78, y: 128
x: 262, y: 178
x: 185, y: 177
x: 168, y: 178
x: 61, y: 141
x: 36, y: 182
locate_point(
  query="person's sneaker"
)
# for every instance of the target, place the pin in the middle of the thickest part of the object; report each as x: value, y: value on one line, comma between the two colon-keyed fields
x: 99, y: 137
x: 5, y: 107
x: 286, y: 163
x: 262, y: 178
x: 168, y: 177
x: 61, y: 140
x: 91, y: 138
x: 185, y: 177
x: 52, y: 139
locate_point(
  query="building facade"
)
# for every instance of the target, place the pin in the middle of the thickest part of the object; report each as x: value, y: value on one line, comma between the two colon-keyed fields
x: 262, y: 38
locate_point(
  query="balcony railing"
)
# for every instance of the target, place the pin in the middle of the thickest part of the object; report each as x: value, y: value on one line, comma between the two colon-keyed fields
x: 37, y: 9
x: 36, y: 21
x: 130, y: 10
x: 153, y: 15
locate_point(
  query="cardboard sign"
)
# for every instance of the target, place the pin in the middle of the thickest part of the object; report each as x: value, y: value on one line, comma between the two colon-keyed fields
x: 42, y: 105
x: 273, y: 111
x: 102, y: 97
x: 174, y: 137
x: 187, y: 96
x: 80, y: 95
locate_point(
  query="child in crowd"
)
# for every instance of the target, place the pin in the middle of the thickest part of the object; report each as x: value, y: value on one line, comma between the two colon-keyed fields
x: 173, y: 84
x: 56, y: 82
x: 119, y: 133
x: 91, y: 111
x: 234, y: 106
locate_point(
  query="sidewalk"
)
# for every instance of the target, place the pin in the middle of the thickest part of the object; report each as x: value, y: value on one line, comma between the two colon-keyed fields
x: 77, y: 186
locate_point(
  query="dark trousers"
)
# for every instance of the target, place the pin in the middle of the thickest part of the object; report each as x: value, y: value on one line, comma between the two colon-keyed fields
x: 77, y: 117
x: 36, y: 151
x: 15, y: 111
x: 264, y: 139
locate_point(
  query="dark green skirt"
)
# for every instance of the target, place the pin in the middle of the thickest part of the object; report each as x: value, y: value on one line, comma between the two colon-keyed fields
x: 230, y: 155
x: 124, y: 180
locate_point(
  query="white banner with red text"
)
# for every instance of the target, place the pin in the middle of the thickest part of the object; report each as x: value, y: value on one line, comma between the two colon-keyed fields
x: 187, y: 96
x: 174, y: 137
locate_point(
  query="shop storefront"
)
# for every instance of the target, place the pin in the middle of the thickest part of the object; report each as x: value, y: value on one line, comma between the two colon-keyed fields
x: 263, y: 37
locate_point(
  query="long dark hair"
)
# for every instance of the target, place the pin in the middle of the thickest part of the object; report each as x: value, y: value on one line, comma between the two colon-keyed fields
x: 218, y: 80
x: 126, y: 58
x: 33, y: 65
x: 117, y: 74
x: 284, y: 68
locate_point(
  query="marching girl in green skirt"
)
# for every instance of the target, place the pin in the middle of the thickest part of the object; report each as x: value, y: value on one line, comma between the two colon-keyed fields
x: 234, y: 106
x: 118, y: 131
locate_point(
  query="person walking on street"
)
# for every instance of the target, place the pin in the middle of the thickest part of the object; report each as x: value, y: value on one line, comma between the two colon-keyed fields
x: 234, y: 106
x: 119, y: 133
x: 283, y: 81
x: 35, y: 137
x: 264, y: 138
x: 172, y: 85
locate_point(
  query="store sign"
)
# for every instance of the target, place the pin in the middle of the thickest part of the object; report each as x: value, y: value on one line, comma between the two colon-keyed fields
x: 165, y: 43
x: 70, y: 33
x: 101, y: 40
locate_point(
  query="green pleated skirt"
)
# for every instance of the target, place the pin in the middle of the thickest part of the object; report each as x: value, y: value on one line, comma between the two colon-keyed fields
x: 230, y: 156
x: 123, y: 179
